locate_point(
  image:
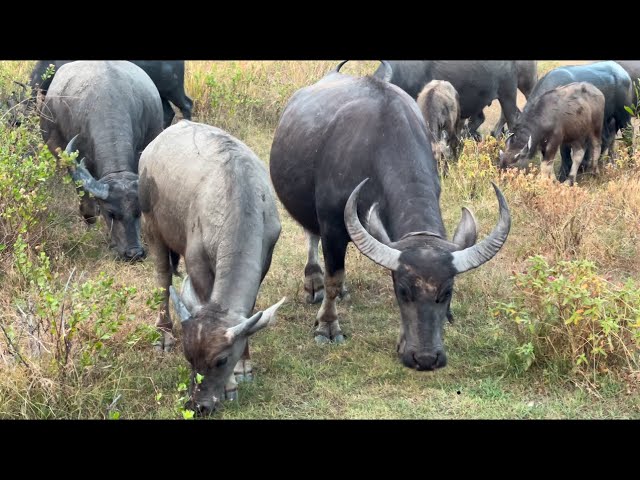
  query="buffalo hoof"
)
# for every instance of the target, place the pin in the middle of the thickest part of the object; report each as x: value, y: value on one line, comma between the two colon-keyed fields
x: 243, y: 371
x: 322, y: 339
x: 344, y: 296
x: 166, y: 342
x: 244, y: 377
x: 314, y: 284
x: 231, y: 395
x: 315, y: 297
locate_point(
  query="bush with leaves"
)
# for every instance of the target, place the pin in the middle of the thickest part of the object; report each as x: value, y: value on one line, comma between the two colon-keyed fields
x: 568, y: 315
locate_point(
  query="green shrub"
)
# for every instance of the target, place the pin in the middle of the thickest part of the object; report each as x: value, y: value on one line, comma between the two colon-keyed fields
x: 566, y: 314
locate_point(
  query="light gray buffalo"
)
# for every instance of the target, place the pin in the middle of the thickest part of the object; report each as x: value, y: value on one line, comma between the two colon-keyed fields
x: 109, y: 112
x: 438, y: 101
x: 571, y: 116
x: 206, y: 196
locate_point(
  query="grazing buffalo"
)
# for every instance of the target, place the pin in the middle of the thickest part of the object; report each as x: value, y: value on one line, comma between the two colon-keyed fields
x: 614, y: 83
x: 438, y: 101
x: 527, y: 78
x: 570, y: 116
x: 111, y: 110
x: 167, y: 75
x: 349, y: 146
x: 478, y: 83
x: 224, y: 221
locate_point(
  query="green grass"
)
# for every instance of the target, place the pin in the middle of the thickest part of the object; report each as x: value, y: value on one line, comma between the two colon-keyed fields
x: 295, y: 378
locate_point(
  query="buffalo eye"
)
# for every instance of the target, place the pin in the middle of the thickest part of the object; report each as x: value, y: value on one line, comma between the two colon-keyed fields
x: 444, y: 296
x: 221, y: 362
x: 405, y: 294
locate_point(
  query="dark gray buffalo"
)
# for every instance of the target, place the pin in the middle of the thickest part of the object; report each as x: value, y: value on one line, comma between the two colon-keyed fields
x: 478, y: 83
x: 527, y: 78
x: 614, y: 83
x: 111, y: 110
x: 167, y: 75
x: 224, y: 221
x: 632, y: 67
x: 571, y: 116
x: 349, y: 146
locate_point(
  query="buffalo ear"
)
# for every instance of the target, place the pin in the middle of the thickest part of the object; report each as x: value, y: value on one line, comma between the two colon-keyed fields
x: 375, y: 226
x: 466, y: 233
x: 95, y: 187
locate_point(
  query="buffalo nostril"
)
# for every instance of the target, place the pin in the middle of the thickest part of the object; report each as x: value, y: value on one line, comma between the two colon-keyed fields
x: 134, y: 254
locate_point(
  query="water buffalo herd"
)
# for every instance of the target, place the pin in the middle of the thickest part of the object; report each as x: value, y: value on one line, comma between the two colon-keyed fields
x: 353, y: 159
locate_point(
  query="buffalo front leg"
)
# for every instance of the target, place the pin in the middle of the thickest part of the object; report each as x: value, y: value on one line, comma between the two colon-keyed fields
x: 327, y: 326
x: 497, y: 130
x: 546, y: 165
x: 163, y: 277
x: 475, y: 121
x: 313, y: 282
x: 507, y: 99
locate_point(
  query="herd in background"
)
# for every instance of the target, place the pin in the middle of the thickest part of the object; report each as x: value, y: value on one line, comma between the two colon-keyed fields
x: 575, y: 109
x: 353, y: 159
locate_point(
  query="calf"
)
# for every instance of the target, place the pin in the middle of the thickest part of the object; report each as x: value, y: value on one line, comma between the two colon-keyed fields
x: 438, y: 101
x: 570, y: 116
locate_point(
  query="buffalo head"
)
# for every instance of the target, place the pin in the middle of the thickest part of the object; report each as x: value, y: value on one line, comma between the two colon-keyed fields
x: 518, y: 152
x: 117, y: 197
x: 423, y: 267
x: 214, y: 341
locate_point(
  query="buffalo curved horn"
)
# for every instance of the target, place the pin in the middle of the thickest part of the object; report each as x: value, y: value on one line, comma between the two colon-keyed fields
x: 378, y: 252
x: 181, y: 308
x: 473, y: 257
x: 80, y: 174
x: 388, y: 71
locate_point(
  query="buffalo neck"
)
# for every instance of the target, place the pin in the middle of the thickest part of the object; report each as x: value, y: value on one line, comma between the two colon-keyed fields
x: 113, y: 148
x: 412, y: 208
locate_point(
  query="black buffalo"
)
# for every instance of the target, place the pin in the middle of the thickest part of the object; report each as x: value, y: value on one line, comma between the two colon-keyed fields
x: 167, y: 75
x: 478, y: 83
x: 109, y: 111
x: 349, y: 146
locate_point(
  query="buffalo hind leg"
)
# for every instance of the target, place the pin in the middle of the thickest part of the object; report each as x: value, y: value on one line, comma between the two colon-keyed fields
x: 507, y: 98
x: 313, y: 281
x: 565, y: 164
x: 168, y: 112
x: 577, y: 155
x: 596, y: 148
x: 313, y: 275
x: 334, y: 248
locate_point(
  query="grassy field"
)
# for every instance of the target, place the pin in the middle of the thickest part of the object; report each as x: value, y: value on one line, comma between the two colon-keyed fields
x: 295, y: 378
